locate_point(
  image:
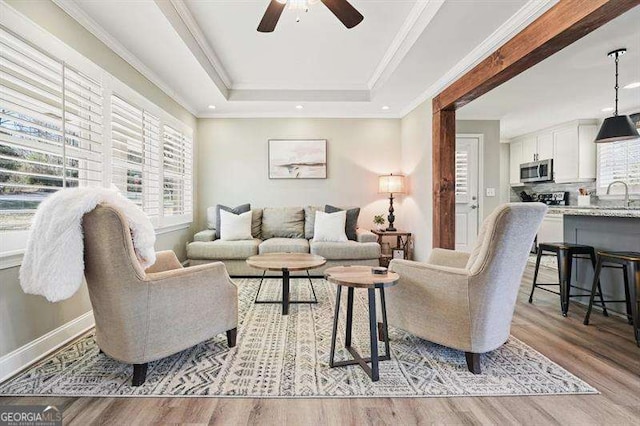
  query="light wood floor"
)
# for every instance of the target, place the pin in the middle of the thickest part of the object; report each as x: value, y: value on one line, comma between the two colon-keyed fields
x: 603, y: 354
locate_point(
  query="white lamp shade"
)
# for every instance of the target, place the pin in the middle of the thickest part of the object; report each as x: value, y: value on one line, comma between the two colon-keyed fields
x: 393, y: 184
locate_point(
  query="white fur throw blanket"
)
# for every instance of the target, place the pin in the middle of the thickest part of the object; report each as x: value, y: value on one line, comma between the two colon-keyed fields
x: 53, y: 264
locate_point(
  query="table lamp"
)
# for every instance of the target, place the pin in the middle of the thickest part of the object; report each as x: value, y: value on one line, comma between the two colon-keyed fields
x: 391, y: 184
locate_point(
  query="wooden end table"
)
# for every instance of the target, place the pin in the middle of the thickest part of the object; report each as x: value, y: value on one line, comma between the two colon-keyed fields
x: 286, y: 262
x: 403, y: 241
x: 361, y: 277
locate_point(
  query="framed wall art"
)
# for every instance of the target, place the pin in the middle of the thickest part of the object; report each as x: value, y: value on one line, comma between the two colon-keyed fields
x: 297, y: 158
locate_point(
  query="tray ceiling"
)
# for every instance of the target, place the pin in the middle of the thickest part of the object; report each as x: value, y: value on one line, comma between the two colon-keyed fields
x: 209, y: 53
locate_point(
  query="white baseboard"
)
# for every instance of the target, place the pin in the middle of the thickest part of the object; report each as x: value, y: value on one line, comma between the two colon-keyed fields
x: 28, y: 354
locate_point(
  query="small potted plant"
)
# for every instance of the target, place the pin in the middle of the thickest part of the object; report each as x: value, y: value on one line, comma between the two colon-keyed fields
x: 379, y: 222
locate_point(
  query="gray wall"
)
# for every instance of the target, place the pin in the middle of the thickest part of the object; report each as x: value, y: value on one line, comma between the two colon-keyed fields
x: 233, y: 163
x: 24, y: 318
x: 491, y: 158
x: 416, y: 208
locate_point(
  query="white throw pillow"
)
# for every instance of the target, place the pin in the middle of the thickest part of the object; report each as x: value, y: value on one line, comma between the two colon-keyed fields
x: 329, y: 227
x: 234, y: 227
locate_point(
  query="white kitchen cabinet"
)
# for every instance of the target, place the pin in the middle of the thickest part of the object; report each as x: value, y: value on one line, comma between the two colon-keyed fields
x: 552, y: 229
x: 565, y: 148
x: 574, y: 153
x: 529, y: 149
x: 537, y: 147
x: 570, y: 145
x: 515, y: 158
x: 545, y: 146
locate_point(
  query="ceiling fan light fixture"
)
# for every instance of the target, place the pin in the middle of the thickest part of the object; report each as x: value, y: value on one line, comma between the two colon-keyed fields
x: 342, y: 9
x: 618, y: 127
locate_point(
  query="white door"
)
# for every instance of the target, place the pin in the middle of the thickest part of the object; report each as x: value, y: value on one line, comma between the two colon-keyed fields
x: 467, y: 178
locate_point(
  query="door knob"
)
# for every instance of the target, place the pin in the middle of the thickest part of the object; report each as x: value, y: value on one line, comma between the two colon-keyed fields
x: 473, y: 207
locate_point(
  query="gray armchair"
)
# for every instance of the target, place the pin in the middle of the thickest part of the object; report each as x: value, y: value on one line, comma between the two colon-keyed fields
x: 466, y: 301
x: 142, y: 316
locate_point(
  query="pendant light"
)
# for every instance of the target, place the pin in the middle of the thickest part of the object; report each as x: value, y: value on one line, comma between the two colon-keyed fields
x: 618, y: 127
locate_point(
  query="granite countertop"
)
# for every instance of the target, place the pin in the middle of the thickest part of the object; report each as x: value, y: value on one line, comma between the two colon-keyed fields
x: 596, y: 211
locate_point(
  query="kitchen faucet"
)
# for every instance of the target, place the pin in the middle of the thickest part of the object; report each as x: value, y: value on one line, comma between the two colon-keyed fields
x: 627, y: 203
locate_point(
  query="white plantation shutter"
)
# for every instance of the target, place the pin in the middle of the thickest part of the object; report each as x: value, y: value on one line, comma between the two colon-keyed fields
x: 55, y: 117
x: 619, y: 161
x: 462, y: 176
x: 135, y: 156
x: 83, y: 129
x: 42, y: 104
x: 152, y: 188
x: 177, y: 173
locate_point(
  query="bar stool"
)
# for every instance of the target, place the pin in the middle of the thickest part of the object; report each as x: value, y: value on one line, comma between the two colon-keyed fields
x: 629, y: 262
x: 565, y: 253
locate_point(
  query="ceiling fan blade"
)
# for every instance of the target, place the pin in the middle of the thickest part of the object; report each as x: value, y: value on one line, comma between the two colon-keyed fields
x: 346, y: 13
x: 271, y: 16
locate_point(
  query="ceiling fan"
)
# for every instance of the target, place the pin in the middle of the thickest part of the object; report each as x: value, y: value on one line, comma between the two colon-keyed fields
x: 344, y: 11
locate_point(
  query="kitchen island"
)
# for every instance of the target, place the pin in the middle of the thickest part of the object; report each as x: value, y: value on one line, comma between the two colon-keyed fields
x: 604, y: 228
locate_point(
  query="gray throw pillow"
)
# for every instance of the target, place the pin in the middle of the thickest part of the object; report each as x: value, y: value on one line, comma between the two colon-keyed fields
x: 256, y: 223
x: 310, y: 220
x: 238, y: 210
x: 282, y: 222
x: 352, y: 220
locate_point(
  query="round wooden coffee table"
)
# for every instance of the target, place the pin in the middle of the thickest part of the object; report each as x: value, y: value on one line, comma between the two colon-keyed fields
x: 361, y: 277
x: 286, y: 262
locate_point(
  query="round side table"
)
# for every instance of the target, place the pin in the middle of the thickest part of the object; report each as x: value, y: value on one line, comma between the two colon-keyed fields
x: 286, y: 262
x: 354, y: 277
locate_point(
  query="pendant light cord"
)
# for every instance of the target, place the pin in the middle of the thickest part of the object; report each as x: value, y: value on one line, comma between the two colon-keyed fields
x: 616, y: 87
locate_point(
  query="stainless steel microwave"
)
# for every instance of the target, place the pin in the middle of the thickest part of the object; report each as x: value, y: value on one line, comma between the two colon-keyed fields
x: 537, y: 171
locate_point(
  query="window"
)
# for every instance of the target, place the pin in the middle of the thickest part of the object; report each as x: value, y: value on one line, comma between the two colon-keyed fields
x: 177, y: 159
x: 50, y: 130
x: 135, y: 155
x: 619, y: 161
x: 65, y: 122
x: 462, y: 172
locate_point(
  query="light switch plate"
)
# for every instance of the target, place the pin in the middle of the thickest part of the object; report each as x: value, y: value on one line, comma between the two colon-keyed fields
x: 491, y: 192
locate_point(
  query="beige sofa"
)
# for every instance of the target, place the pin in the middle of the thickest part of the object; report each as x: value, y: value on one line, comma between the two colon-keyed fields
x: 278, y: 230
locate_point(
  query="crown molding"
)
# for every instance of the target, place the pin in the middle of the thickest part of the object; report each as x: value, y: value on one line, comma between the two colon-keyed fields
x: 301, y: 115
x: 520, y: 20
x: 71, y: 8
x: 415, y: 24
x: 199, y: 37
x: 192, y: 36
x: 300, y: 95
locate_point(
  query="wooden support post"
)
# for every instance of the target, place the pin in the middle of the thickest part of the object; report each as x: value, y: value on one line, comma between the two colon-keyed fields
x: 444, y: 161
x: 563, y: 24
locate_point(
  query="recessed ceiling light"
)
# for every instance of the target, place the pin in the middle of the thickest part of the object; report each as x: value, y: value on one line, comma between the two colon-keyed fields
x: 212, y: 107
x: 632, y: 85
x: 607, y: 109
x: 386, y: 107
x: 299, y: 107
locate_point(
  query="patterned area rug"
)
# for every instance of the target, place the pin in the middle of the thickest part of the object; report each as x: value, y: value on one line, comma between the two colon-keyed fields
x: 288, y: 356
x: 550, y: 262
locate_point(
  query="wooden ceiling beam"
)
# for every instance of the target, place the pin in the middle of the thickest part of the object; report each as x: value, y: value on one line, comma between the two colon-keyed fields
x: 563, y: 24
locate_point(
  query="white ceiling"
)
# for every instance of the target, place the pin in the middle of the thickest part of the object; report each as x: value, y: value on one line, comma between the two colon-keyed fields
x: 208, y: 52
x: 575, y: 83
